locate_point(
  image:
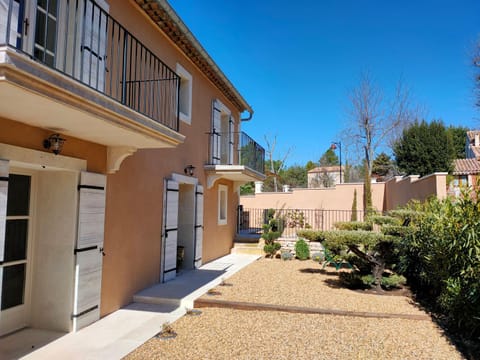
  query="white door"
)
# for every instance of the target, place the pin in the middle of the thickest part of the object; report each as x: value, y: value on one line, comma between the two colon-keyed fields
x: 198, y: 226
x: 89, y: 249
x: 170, y: 231
x: 15, y: 223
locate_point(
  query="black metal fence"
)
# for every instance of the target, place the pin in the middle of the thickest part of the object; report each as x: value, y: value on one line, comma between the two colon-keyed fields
x: 80, y: 39
x: 250, y: 221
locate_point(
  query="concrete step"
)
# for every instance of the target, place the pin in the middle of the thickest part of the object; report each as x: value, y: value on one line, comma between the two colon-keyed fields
x: 247, y: 248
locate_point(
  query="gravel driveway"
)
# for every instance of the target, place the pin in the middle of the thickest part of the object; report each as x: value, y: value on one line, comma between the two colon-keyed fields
x: 239, y: 334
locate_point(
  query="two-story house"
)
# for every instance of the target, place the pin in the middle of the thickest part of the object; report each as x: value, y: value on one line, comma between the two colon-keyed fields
x: 120, y: 143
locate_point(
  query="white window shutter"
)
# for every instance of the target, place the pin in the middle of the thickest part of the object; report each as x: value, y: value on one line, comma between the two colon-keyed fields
x: 170, y: 232
x: 4, y: 5
x: 216, y: 143
x: 94, y: 44
x: 4, y: 170
x: 198, y: 226
x: 89, y: 249
x: 231, y: 140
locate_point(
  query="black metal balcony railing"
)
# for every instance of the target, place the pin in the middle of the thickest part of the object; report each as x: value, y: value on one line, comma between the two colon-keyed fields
x: 251, y: 153
x: 222, y: 150
x: 81, y: 40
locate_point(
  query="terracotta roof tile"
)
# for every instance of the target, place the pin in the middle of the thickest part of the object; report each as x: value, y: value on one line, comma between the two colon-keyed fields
x: 466, y: 166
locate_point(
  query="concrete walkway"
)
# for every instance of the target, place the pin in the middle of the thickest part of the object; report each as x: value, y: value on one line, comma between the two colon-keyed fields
x: 121, y: 332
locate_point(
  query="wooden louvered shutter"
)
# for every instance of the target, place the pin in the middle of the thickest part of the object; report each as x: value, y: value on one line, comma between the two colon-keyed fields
x: 170, y: 231
x: 94, y: 44
x: 4, y: 169
x: 89, y: 249
x: 198, y: 226
x: 216, y: 142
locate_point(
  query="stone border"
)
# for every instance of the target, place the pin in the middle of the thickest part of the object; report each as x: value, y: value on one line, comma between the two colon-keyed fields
x: 239, y: 305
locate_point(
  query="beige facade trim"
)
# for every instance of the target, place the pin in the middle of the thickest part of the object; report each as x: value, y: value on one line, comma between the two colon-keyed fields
x: 28, y: 158
x: 237, y: 173
x: 162, y: 14
x: 116, y: 155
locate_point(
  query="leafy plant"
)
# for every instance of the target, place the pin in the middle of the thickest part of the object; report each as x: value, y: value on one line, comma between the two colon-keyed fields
x: 441, y: 258
x: 353, y: 225
x: 271, y: 249
x: 287, y: 255
x: 302, y: 250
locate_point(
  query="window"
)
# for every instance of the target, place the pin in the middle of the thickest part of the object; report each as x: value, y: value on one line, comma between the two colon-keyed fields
x: 185, y: 95
x: 223, y: 131
x: 222, y: 204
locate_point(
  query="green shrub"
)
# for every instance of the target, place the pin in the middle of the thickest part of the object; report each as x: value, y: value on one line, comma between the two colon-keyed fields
x: 271, y: 249
x: 441, y: 259
x: 393, y: 281
x: 355, y: 280
x: 312, y: 235
x: 353, y: 225
x: 352, y: 280
x: 302, y: 250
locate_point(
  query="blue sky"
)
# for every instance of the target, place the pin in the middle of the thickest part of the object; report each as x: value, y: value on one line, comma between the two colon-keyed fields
x: 296, y: 61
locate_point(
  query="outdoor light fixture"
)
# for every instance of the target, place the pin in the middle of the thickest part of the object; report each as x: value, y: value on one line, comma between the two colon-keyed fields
x: 189, y: 170
x: 54, y: 143
x: 334, y: 147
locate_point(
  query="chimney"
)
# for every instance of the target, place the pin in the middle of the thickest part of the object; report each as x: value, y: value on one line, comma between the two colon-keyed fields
x: 477, y: 140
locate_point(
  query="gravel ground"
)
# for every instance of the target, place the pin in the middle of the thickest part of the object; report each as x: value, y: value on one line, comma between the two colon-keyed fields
x: 300, y: 283
x: 239, y: 334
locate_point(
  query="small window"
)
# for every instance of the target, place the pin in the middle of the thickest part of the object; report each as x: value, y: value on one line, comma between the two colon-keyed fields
x: 222, y: 204
x: 185, y: 95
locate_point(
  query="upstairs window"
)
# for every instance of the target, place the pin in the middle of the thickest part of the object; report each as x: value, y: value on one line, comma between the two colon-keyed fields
x: 185, y: 95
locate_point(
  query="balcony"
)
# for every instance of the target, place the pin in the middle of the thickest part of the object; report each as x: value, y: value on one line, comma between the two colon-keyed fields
x: 243, y: 164
x: 84, y: 75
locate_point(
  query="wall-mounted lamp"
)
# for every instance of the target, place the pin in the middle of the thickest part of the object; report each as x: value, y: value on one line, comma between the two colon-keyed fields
x: 189, y: 170
x: 54, y: 143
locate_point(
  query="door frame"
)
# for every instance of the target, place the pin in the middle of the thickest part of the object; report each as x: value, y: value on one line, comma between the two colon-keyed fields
x: 20, y: 315
x: 180, y: 179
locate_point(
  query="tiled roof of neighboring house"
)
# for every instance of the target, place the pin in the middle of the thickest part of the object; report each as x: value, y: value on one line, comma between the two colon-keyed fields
x: 171, y: 24
x: 471, y: 134
x: 466, y: 166
x: 325, y: 169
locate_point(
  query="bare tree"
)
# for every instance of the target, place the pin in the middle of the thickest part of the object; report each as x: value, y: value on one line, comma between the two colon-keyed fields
x: 376, y: 121
x: 275, y: 166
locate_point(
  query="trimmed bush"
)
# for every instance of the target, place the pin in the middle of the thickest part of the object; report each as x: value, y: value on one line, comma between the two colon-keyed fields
x: 353, y: 225
x: 271, y: 249
x: 302, y: 250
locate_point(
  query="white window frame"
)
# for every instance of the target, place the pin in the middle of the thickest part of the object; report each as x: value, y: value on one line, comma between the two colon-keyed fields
x: 222, y: 205
x: 186, y: 81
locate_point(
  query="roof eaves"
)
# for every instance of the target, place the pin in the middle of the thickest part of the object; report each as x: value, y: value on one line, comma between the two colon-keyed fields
x: 170, y: 23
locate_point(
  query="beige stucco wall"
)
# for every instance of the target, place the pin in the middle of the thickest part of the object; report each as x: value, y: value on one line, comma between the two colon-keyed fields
x: 30, y: 137
x: 399, y: 191
x: 385, y: 196
x: 339, y: 197
x: 134, y: 208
